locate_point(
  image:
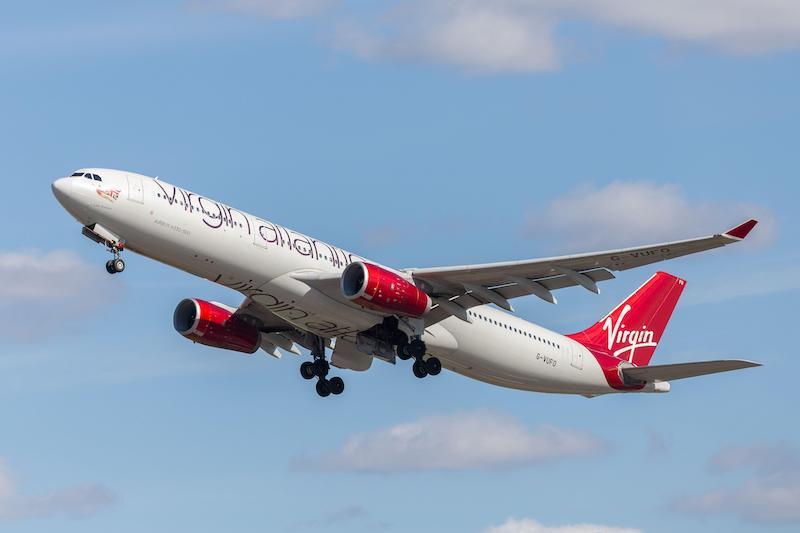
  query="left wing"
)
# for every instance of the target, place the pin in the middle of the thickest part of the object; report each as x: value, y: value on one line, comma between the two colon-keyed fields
x: 458, y: 288
x: 276, y: 333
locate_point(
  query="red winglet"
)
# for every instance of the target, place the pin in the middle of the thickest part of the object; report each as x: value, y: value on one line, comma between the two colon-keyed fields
x: 741, y: 231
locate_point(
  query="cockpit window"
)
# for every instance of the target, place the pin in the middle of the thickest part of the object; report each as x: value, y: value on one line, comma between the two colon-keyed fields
x: 77, y: 174
x: 96, y: 177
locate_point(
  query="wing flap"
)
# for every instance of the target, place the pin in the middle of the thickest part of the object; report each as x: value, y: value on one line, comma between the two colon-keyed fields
x: 509, y: 291
x: 684, y: 370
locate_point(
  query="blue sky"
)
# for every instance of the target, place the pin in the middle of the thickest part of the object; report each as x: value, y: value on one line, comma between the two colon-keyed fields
x: 418, y: 134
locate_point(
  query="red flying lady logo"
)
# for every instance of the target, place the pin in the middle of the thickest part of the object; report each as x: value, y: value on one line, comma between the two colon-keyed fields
x: 112, y: 195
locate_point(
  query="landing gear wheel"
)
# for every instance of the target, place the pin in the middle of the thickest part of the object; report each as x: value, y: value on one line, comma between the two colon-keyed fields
x: 336, y: 385
x: 402, y: 351
x: 433, y: 366
x: 416, y: 348
x: 323, y: 388
x: 110, y: 266
x: 321, y: 368
x: 307, y: 370
x: 420, y: 369
x: 118, y: 265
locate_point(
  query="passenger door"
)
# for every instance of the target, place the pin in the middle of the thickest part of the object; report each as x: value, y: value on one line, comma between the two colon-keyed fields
x: 135, y: 189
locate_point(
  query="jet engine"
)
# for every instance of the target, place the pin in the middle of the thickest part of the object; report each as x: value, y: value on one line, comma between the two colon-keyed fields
x: 213, y: 325
x: 382, y: 290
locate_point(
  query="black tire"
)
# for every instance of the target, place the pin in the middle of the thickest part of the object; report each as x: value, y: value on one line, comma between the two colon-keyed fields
x: 321, y: 368
x: 336, y: 385
x: 323, y: 388
x: 433, y: 366
x: 416, y: 348
x: 402, y: 352
x: 118, y: 265
x: 419, y: 369
x: 307, y: 370
x: 110, y: 267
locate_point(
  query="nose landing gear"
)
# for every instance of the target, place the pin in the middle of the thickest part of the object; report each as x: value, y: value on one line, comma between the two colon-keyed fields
x: 113, y: 244
x: 320, y: 368
x: 116, y: 265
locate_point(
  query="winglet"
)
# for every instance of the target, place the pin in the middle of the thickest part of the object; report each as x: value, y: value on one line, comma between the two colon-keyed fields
x: 742, y: 230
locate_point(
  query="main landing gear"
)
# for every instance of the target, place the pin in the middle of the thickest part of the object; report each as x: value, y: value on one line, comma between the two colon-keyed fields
x: 421, y: 367
x: 116, y: 265
x: 320, y: 368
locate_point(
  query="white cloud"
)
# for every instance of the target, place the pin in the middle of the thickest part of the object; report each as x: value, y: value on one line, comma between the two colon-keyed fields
x: 772, y: 499
x: 473, y: 35
x: 637, y: 212
x: 519, y: 35
x: 772, y: 495
x: 272, y: 9
x: 455, y: 442
x: 81, y: 501
x: 39, y: 291
x: 522, y: 35
x: 528, y: 525
x: 738, y: 26
x: 764, y: 457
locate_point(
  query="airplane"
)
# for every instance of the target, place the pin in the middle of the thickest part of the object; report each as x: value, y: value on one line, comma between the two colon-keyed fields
x: 302, y: 292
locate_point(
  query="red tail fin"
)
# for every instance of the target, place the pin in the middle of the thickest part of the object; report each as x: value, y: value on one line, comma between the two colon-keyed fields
x: 633, y: 329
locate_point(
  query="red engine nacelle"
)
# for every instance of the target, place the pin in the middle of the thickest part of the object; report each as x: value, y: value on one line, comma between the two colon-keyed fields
x: 213, y: 325
x: 377, y: 288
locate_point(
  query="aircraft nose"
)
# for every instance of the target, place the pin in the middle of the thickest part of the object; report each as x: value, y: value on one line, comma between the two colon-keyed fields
x: 60, y: 188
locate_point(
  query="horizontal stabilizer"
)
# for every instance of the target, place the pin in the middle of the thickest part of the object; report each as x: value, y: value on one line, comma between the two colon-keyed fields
x: 684, y: 370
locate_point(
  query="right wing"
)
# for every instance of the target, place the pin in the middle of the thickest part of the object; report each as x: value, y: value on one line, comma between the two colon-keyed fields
x: 458, y: 288
x: 684, y: 370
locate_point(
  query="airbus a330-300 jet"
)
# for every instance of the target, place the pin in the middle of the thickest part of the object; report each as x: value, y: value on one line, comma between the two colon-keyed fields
x: 302, y: 292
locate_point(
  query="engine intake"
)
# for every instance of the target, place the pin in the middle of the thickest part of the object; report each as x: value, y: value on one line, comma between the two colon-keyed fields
x: 213, y: 325
x: 382, y: 290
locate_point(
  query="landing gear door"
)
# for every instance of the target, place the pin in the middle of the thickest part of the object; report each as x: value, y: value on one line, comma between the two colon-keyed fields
x: 576, y: 356
x: 135, y: 189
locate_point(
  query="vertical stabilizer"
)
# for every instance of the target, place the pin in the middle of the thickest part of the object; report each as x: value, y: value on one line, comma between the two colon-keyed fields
x: 632, y: 331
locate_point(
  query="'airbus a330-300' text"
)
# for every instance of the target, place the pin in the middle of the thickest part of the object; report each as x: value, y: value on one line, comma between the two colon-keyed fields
x: 300, y: 291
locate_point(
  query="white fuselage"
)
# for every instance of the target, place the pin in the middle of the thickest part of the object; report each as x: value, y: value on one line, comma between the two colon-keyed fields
x: 255, y: 257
